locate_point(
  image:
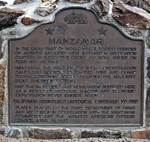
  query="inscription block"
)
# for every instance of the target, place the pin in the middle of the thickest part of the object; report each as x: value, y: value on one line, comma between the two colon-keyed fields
x: 76, y: 71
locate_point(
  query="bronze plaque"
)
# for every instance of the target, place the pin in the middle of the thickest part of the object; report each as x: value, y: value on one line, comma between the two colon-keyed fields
x: 76, y: 71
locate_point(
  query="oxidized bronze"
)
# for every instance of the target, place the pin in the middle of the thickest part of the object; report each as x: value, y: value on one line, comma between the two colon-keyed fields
x: 76, y: 71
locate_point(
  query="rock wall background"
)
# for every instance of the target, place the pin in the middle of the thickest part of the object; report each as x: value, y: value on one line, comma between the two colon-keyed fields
x: 19, y: 17
x: 129, y: 13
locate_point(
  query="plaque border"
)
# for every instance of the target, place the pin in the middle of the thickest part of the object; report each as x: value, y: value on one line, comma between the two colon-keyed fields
x: 101, y: 21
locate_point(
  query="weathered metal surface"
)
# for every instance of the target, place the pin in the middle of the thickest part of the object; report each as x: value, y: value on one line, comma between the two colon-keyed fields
x: 76, y: 71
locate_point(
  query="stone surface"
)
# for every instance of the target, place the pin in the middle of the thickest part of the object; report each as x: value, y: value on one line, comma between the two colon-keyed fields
x: 45, y: 0
x: 45, y: 10
x: 148, y: 91
x: 79, y: 1
x: 2, y: 131
x: 101, y: 7
x: 2, y: 3
x: 13, y: 133
x: 2, y: 83
x: 148, y: 72
x: 1, y: 52
x: 21, y: 1
x: 4, y: 139
x: 148, y: 40
x: 28, y: 21
x: 1, y: 113
x: 135, y: 32
x: 148, y: 97
x: 49, y: 2
x: 148, y: 60
x: 130, y: 16
x: 8, y: 17
x: 144, y: 4
x: 143, y: 134
x: 101, y: 134
x: 50, y: 134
